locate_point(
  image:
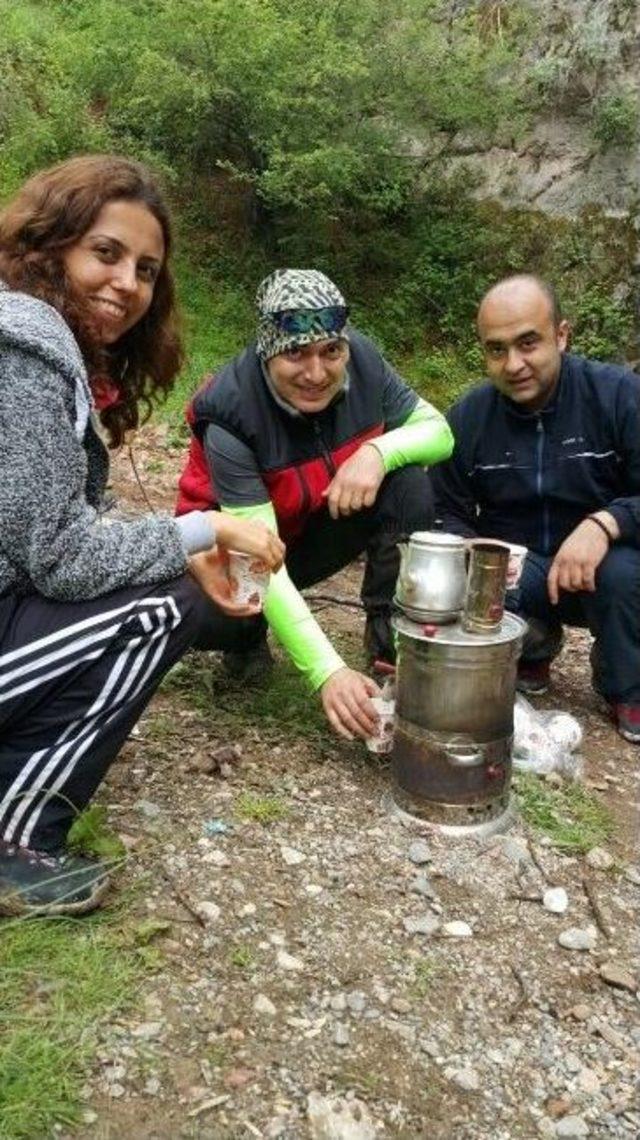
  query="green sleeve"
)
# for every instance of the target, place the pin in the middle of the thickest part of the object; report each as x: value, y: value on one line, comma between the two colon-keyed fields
x: 424, y: 437
x: 290, y: 617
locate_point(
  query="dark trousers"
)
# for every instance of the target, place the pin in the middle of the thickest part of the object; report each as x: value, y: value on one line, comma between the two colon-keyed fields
x: 74, y: 678
x: 404, y: 504
x: 612, y: 614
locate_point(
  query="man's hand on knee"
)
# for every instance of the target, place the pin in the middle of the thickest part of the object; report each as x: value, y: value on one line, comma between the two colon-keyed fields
x: 345, y: 699
x: 574, y: 566
x: 356, y: 482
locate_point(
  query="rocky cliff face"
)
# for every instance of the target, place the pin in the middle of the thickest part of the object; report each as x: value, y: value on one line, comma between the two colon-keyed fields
x: 583, y: 145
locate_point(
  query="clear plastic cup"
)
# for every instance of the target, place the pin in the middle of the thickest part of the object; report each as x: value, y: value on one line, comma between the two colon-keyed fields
x: 249, y: 576
x: 382, y: 740
x: 517, y: 555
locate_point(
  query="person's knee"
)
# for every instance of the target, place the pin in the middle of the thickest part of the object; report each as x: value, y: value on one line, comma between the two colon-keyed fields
x: 618, y: 576
x: 407, y: 496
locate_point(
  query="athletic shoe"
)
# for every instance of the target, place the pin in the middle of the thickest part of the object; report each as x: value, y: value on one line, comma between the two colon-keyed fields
x: 627, y: 719
x: 37, y: 882
x: 533, y: 677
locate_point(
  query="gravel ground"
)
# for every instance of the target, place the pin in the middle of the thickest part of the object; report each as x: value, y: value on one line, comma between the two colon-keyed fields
x: 338, y: 972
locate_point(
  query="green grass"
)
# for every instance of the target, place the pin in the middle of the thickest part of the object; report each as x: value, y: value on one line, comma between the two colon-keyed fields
x: 573, y: 818
x: 424, y: 973
x: 59, y: 980
x: 90, y: 834
x: 242, y: 957
x: 280, y: 708
x: 218, y: 322
x: 262, y: 809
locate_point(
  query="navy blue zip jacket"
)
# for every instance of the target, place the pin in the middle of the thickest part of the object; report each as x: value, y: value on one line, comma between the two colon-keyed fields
x: 531, y: 477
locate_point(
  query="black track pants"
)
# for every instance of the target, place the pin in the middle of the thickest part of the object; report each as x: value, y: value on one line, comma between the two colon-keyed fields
x: 74, y: 678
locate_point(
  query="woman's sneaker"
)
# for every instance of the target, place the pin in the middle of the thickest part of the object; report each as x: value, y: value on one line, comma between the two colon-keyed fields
x: 627, y: 720
x: 37, y: 882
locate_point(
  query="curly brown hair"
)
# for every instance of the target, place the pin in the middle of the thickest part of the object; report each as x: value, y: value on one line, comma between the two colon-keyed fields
x: 51, y: 212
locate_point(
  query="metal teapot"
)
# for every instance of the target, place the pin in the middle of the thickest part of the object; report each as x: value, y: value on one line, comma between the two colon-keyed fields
x: 432, y: 580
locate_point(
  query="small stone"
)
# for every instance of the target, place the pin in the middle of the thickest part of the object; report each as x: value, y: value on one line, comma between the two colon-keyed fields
x: 238, y: 1078
x: 115, y: 1091
x: 114, y: 1073
x: 341, y: 1035
x: 89, y: 1116
x: 148, y: 809
x: 147, y: 1030
x: 419, y: 852
x: 338, y: 1003
x: 406, y: 1032
x: 129, y: 841
x: 581, y: 1011
x: 516, y: 850
x: 632, y: 874
x: 210, y: 911
x: 288, y: 962
x: 572, y: 1063
x: 313, y: 889
x: 576, y: 939
x: 276, y: 1128
x: 557, y: 1106
x: 571, y: 1128
x: 247, y: 911
x: 556, y: 900
x: 457, y: 929
x: 356, y: 1001
x: 611, y: 1036
x: 422, y: 886
x: 228, y: 754
x: 400, y: 1005
x: 588, y: 1081
x: 337, y: 1118
x: 466, y: 1079
x: 264, y: 1006
x: 217, y: 858
x: 152, y: 1087
x: 599, y: 859
x: 546, y: 1128
x: 292, y: 857
x: 615, y: 975
x: 421, y: 924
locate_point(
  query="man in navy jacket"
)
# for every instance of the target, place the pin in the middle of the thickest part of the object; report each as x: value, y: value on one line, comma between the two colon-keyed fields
x: 547, y: 455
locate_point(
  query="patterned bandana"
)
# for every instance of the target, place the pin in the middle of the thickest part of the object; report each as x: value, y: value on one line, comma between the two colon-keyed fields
x: 298, y: 297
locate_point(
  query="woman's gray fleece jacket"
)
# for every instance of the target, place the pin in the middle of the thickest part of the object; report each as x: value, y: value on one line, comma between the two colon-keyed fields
x: 53, y: 472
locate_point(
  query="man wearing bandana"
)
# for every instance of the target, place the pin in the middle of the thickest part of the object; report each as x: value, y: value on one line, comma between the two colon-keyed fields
x: 311, y: 430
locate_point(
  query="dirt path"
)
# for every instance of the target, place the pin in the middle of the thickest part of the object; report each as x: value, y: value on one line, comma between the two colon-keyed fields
x: 309, y: 982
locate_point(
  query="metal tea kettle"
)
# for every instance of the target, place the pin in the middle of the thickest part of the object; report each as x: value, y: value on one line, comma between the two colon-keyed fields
x: 433, y: 577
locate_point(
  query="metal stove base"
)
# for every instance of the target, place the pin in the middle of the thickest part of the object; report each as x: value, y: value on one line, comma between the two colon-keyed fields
x: 453, y: 820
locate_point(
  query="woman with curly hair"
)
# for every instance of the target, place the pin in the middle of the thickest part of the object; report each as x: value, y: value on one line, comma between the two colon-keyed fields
x: 91, y: 615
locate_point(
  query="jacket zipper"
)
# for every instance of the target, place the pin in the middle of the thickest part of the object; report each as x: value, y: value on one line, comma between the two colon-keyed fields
x: 545, y: 509
x: 324, y: 450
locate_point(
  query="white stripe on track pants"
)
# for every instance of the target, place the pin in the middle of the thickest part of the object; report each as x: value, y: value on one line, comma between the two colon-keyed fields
x: 74, y: 678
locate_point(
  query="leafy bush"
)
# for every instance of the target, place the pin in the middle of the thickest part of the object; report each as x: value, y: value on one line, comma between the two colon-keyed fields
x: 615, y: 120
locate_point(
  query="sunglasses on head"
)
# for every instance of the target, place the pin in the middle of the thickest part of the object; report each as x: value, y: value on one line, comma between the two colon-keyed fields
x: 331, y: 319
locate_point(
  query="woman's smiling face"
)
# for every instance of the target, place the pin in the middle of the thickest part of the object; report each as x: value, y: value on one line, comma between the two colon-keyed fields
x: 112, y: 268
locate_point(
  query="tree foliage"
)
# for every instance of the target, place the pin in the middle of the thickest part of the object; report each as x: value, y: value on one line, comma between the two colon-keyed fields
x: 292, y: 131
x: 304, y: 105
